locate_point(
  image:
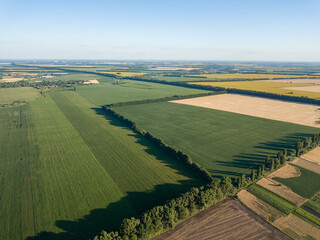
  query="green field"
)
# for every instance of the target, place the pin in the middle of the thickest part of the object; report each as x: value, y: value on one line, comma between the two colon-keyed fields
x: 274, y: 200
x: 224, y: 143
x: 306, y: 185
x: 67, y: 171
x: 102, y: 94
x: 9, y: 95
x: 81, y: 76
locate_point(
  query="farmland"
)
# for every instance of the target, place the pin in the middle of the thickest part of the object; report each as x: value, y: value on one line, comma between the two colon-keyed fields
x: 241, y: 76
x: 217, y: 222
x: 306, y: 185
x: 212, y: 137
x: 125, y: 74
x: 68, y: 171
x: 9, y: 95
x: 298, y: 113
x: 128, y: 90
x: 270, y: 87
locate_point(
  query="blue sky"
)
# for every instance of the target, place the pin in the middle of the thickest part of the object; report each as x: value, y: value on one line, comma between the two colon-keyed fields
x: 270, y: 30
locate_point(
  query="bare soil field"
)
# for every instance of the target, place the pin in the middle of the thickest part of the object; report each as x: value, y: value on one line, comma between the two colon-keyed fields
x: 304, y: 114
x: 313, y: 156
x: 258, y: 206
x: 282, y: 191
x: 229, y: 219
x: 297, y: 228
x: 287, y: 171
x: 94, y: 81
x: 300, y: 80
x: 11, y: 79
x: 312, y: 166
x: 315, y: 88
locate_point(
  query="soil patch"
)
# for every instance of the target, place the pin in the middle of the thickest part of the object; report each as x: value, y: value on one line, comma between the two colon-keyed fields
x: 301, y: 80
x: 315, y: 88
x: 297, y: 228
x: 260, y: 207
x: 287, y: 171
x: 313, y: 156
x: 94, y: 81
x: 11, y: 79
x: 311, y: 166
x: 298, y: 113
x: 282, y: 191
x: 229, y: 219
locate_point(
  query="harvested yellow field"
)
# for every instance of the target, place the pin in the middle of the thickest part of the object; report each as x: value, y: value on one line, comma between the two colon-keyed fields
x: 300, y: 80
x: 94, y: 81
x: 258, y: 206
x: 271, y: 87
x: 297, y: 228
x: 287, y: 171
x: 248, y: 76
x: 312, y: 166
x: 313, y: 156
x: 282, y: 191
x: 125, y: 74
x: 298, y: 113
x: 11, y: 79
x: 314, y: 88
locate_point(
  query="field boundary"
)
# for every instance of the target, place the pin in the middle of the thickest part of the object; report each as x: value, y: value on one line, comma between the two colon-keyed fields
x: 165, y: 99
x: 202, y: 87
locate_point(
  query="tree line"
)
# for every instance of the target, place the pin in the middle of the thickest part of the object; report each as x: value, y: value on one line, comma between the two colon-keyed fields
x: 165, y: 99
x: 41, y: 84
x: 161, y: 218
x: 271, y: 164
x: 170, y: 150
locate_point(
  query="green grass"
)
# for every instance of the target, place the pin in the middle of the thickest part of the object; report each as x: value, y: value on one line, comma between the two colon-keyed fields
x: 308, y: 216
x: 102, y: 94
x: 67, y: 171
x: 313, y: 205
x: 9, y: 95
x: 306, y: 185
x: 224, y: 143
x: 272, y: 199
x: 81, y: 76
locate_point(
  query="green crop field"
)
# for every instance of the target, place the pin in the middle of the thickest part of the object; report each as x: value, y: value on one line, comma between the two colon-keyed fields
x: 102, y: 94
x: 67, y: 171
x: 274, y: 200
x: 224, y: 143
x: 306, y: 185
x: 9, y: 95
x: 81, y: 76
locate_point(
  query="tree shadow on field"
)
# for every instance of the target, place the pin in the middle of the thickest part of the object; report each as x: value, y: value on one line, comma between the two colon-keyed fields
x: 132, y: 205
x: 151, y: 149
x: 253, y: 160
x: 110, y: 218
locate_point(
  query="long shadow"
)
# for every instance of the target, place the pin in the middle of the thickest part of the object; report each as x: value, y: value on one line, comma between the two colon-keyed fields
x: 253, y: 160
x: 108, y: 218
x: 151, y: 149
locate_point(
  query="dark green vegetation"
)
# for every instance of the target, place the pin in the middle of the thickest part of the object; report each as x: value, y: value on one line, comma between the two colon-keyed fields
x: 281, y: 204
x: 271, y: 198
x: 108, y: 93
x: 306, y: 185
x: 313, y: 205
x: 171, y: 151
x: 67, y: 171
x: 162, y: 218
x: 224, y: 143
